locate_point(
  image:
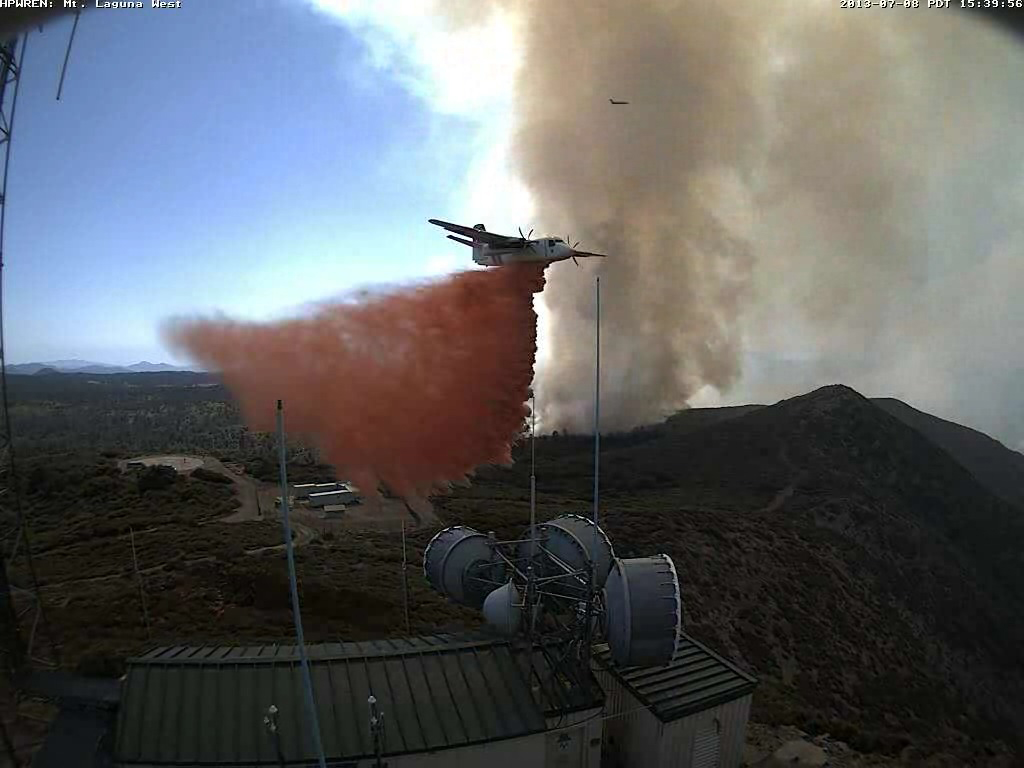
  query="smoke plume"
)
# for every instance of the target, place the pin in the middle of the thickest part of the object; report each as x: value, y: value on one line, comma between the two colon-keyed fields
x: 410, y: 390
x: 803, y: 181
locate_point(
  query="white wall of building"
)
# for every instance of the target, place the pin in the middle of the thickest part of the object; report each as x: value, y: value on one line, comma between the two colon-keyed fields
x: 573, y: 741
x: 641, y: 740
x: 332, y: 497
x: 509, y: 753
x: 729, y: 720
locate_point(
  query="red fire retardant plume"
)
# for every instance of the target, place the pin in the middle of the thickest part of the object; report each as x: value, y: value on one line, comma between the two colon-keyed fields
x: 411, y: 391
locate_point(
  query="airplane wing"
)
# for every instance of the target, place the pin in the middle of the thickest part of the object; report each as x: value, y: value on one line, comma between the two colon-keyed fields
x: 480, y: 236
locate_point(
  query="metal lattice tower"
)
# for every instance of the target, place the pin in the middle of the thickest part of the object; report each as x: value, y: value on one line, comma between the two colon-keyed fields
x: 21, y: 611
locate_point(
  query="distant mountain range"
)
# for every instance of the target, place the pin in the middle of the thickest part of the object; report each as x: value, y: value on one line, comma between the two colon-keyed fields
x: 86, y: 366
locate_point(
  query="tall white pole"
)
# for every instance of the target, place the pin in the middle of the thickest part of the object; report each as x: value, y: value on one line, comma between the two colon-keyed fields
x: 531, y: 584
x: 405, y: 583
x: 592, y: 586
x: 289, y: 549
x: 597, y: 397
x: 533, y: 473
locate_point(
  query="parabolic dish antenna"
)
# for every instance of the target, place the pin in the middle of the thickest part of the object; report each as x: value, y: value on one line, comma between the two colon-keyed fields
x: 643, y: 611
x: 461, y: 565
x: 503, y: 609
x: 569, y: 540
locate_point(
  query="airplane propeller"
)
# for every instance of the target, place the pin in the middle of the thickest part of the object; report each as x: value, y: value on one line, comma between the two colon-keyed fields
x: 573, y: 246
x: 524, y: 237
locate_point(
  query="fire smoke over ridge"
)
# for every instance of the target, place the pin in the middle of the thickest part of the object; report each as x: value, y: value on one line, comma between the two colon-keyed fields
x: 800, y: 182
x: 411, y: 390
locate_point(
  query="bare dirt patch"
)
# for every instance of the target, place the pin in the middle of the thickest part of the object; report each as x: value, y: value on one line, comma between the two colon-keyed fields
x: 183, y: 464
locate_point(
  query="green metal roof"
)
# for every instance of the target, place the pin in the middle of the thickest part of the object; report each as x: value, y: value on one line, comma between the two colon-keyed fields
x: 206, y: 705
x: 696, y: 679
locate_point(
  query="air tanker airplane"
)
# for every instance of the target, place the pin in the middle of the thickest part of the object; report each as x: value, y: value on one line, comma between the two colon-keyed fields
x: 494, y: 250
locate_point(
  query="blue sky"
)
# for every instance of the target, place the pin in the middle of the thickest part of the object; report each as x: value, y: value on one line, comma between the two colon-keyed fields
x: 212, y: 160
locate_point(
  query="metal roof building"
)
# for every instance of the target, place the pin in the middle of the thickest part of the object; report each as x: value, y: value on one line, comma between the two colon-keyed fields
x: 343, y: 495
x: 447, y: 700
x: 691, y: 713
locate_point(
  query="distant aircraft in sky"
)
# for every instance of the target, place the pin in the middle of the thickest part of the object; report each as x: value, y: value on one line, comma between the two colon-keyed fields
x: 613, y: 101
x: 494, y: 250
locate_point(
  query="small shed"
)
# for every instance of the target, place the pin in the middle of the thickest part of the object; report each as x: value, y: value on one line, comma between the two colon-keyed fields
x: 690, y: 713
x: 470, y: 701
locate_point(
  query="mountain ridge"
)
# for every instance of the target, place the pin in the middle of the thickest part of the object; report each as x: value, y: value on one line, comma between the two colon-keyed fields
x: 86, y: 366
x: 869, y: 579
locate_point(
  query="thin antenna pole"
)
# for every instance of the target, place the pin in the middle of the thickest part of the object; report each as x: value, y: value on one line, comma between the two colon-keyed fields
x: 533, y: 470
x: 289, y: 549
x: 597, y: 399
x: 592, y: 587
x: 531, y: 584
x: 67, y: 54
x: 142, y: 592
x: 405, y: 583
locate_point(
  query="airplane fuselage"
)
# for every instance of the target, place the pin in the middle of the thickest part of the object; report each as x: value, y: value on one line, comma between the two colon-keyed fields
x: 546, y: 250
x: 493, y: 250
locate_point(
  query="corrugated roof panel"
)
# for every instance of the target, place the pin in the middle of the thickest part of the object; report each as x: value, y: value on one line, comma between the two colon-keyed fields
x: 403, y: 709
x: 380, y: 687
x: 490, y: 688
x: 207, y: 713
x: 326, y: 712
x: 703, y: 699
x: 229, y: 715
x: 694, y: 686
x: 206, y: 705
x: 352, y: 699
x: 539, y: 679
x: 693, y: 675
x: 288, y: 695
x: 695, y: 679
x: 523, y: 710
x: 167, y: 733
x: 257, y: 693
x: 128, y: 732
x: 427, y: 702
x: 187, y: 736
x: 469, y: 709
x: 443, y: 708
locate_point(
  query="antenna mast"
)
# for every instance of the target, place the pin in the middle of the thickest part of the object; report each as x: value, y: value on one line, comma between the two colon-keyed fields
x: 597, y: 399
x: 588, y: 630
x: 531, y: 581
x: 289, y: 549
x: 405, y: 583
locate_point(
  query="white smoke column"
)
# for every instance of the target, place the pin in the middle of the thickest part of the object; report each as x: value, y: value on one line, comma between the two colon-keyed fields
x: 836, y: 187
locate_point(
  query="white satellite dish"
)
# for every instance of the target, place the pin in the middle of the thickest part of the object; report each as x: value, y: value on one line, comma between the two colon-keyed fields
x: 643, y: 611
x: 503, y: 609
x: 460, y: 564
x: 570, y: 542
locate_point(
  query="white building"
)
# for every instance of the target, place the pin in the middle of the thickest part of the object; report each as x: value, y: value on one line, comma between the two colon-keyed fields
x: 691, y: 713
x: 343, y: 494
